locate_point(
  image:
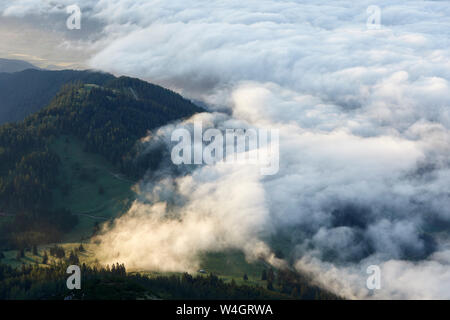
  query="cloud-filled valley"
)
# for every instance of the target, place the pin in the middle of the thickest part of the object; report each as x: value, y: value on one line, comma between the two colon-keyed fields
x: 363, y: 116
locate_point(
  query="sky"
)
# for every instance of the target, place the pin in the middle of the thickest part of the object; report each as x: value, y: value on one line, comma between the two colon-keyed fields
x: 362, y: 110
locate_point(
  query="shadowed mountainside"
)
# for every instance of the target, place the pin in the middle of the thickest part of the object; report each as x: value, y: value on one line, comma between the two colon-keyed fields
x: 109, y: 120
x: 23, y: 93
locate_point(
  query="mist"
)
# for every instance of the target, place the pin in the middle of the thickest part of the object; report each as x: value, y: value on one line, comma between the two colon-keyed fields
x: 363, y: 117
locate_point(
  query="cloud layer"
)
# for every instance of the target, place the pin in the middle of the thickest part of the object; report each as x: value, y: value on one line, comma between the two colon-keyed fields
x: 364, y: 135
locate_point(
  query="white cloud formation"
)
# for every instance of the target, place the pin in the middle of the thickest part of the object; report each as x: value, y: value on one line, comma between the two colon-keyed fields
x: 427, y: 279
x: 364, y: 131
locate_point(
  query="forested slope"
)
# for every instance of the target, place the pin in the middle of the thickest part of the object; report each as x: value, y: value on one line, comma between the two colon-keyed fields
x: 109, y: 119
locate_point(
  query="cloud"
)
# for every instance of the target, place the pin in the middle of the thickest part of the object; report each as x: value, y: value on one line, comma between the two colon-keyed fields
x: 362, y: 116
x: 364, y: 135
x: 179, y: 218
x: 402, y: 280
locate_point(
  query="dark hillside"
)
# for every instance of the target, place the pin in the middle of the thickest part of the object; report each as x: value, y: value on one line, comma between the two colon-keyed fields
x: 109, y: 121
x: 23, y: 93
x: 13, y: 65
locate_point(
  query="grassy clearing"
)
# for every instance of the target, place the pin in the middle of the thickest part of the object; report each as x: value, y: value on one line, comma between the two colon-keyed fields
x: 93, y: 190
x: 233, y: 265
x: 229, y: 265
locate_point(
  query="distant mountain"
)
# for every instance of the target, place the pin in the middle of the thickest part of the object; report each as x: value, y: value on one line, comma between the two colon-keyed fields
x: 8, y: 65
x: 23, y: 93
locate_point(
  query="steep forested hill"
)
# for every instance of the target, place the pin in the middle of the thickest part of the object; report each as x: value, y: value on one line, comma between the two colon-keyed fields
x: 109, y: 119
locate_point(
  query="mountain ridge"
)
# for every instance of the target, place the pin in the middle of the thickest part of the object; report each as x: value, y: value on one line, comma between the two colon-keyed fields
x: 12, y: 65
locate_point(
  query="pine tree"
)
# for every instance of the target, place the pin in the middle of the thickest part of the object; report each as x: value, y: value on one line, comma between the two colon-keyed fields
x: 20, y: 254
x: 35, y: 250
x: 264, y: 275
x: 271, y: 275
x: 73, y: 258
x: 245, y: 277
x: 45, y: 258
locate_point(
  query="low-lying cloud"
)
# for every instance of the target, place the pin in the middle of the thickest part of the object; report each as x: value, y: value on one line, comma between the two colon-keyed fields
x: 364, y: 136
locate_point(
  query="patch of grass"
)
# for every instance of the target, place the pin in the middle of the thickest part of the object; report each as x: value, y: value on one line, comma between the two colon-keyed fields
x: 87, y: 256
x: 229, y: 265
x: 29, y: 258
x: 92, y: 187
x: 232, y: 264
